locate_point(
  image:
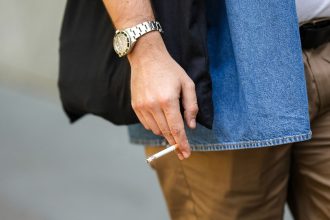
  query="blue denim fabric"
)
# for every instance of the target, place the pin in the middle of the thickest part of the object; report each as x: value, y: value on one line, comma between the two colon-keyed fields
x: 259, y: 88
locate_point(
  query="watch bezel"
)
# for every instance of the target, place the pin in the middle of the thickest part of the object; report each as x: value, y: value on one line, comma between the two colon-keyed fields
x: 128, y: 43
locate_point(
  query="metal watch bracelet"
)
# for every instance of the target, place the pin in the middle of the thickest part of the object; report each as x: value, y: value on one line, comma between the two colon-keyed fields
x: 143, y: 28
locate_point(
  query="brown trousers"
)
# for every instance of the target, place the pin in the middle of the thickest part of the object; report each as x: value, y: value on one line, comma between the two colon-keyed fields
x: 254, y: 184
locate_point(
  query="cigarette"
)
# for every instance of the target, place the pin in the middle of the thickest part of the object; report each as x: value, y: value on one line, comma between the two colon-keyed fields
x: 161, y: 153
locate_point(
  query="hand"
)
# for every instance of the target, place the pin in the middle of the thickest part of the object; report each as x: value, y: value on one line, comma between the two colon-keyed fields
x: 157, y: 82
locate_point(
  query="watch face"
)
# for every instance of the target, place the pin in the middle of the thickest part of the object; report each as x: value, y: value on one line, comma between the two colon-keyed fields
x: 121, y: 43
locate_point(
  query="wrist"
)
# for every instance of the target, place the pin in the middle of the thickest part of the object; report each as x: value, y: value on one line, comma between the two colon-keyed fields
x: 148, y: 47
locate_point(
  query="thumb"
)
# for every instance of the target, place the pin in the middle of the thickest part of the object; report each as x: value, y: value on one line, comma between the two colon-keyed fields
x: 189, y: 102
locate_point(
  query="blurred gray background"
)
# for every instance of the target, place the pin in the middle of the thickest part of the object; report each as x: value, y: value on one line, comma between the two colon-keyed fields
x: 49, y: 169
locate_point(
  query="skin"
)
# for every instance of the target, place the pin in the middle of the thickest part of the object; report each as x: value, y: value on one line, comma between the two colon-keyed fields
x: 157, y: 81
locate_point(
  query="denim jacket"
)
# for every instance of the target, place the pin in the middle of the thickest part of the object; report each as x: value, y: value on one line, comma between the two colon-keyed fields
x: 259, y: 89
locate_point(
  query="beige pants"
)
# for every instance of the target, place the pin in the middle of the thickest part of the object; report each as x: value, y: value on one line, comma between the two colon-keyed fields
x: 254, y: 184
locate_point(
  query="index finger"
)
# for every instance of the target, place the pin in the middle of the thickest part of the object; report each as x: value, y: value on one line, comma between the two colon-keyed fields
x: 176, y: 126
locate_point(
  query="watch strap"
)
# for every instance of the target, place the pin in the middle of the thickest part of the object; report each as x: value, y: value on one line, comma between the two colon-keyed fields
x: 143, y: 28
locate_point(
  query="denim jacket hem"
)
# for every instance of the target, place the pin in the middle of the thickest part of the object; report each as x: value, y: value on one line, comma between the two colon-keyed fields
x: 231, y: 145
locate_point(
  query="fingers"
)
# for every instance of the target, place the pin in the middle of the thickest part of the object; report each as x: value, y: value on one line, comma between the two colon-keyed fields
x: 142, y: 120
x: 189, y: 102
x: 155, y: 120
x: 146, y: 118
x: 164, y: 118
x: 160, y: 119
x: 165, y: 130
x: 151, y: 122
x: 175, y: 123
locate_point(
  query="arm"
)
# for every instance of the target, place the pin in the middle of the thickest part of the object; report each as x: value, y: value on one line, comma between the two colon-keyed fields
x: 157, y: 81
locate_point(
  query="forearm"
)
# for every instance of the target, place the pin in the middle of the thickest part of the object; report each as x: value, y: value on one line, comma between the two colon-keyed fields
x: 127, y: 13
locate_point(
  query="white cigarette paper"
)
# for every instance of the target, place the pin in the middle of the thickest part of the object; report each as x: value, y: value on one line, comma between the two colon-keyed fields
x: 161, y: 153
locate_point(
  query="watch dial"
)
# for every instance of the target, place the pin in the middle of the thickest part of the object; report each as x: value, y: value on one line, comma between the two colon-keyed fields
x: 121, y: 43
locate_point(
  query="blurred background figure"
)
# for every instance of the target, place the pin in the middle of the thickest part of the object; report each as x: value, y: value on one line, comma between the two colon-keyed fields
x: 48, y: 168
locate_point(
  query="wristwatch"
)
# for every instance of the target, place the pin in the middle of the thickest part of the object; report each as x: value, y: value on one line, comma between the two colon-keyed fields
x: 124, y: 40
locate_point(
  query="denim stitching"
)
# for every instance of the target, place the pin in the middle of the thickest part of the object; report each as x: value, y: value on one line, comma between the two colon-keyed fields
x: 233, y: 145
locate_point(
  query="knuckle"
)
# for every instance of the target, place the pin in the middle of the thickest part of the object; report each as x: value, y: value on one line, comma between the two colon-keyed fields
x: 194, y: 109
x: 166, y: 133
x: 191, y: 110
x: 165, y: 101
x: 148, y: 104
x: 175, y: 130
x: 136, y: 105
x: 184, y: 144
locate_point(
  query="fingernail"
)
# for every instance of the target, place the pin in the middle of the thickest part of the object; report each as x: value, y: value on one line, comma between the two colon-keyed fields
x: 180, y: 157
x: 193, y: 123
x: 185, y: 154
